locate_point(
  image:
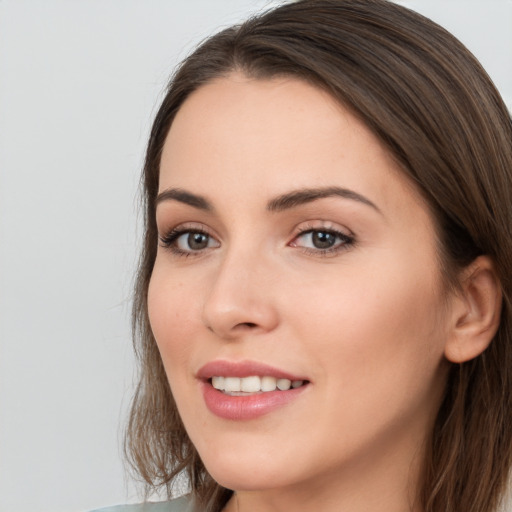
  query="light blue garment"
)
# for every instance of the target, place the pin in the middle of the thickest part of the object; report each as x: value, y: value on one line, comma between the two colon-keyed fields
x: 182, y: 504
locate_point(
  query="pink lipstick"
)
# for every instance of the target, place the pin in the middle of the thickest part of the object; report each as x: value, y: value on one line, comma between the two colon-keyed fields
x: 247, y: 390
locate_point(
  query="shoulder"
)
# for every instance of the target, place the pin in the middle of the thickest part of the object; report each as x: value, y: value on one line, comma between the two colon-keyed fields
x: 182, y: 504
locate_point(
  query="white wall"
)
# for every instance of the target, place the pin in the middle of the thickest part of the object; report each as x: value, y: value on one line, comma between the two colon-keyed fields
x: 79, y: 83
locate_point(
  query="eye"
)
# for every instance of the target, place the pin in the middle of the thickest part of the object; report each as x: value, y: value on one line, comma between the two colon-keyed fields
x: 322, y: 241
x: 188, y: 241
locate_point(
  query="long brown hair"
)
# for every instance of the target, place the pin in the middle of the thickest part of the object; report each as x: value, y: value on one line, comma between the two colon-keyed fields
x: 430, y: 102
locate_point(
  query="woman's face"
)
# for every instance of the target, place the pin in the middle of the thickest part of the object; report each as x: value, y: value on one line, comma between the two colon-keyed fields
x: 293, y: 250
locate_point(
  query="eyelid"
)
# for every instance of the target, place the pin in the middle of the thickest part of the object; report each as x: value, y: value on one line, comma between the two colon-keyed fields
x: 186, y: 226
x: 168, y: 238
x: 346, y: 238
x: 317, y: 225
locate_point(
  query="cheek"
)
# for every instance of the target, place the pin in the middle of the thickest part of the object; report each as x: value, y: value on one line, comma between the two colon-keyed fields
x: 171, y: 309
x: 376, y: 346
x: 373, y: 329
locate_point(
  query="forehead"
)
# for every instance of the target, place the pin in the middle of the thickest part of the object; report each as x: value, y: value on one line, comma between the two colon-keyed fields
x: 266, y: 136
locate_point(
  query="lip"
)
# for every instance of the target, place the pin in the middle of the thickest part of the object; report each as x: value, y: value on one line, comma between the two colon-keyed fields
x: 250, y: 407
x: 242, y: 369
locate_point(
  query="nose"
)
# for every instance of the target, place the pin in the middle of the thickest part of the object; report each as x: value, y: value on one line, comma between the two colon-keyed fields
x: 241, y: 297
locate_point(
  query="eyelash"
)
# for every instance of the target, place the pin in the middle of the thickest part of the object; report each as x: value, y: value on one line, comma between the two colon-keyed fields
x: 347, y: 241
x: 169, y: 241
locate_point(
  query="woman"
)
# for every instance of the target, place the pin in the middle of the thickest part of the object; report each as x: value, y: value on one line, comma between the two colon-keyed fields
x: 323, y: 303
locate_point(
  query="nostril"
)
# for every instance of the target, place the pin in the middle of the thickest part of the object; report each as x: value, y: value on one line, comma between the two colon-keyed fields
x: 248, y: 325
x: 240, y: 327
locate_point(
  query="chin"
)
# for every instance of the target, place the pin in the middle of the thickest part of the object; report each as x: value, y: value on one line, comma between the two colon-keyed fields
x: 248, y: 469
x: 248, y: 478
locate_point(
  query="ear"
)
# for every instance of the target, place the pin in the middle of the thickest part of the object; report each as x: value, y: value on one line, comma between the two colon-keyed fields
x: 476, y: 310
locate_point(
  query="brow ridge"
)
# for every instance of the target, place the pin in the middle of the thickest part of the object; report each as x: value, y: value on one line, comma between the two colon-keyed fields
x: 182, y: 196
x: 307, y: 195
x: 283, y: 202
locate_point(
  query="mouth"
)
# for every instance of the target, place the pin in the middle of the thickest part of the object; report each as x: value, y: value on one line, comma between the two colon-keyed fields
x: 244, y: 386
x: 247, y: 390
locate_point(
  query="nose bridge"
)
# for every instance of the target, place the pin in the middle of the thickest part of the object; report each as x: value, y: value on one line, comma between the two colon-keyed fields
x: 240, y: 294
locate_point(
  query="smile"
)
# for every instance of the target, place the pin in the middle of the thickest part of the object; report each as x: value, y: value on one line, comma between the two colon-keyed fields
x: 247, y: 390
x: 236, y: 386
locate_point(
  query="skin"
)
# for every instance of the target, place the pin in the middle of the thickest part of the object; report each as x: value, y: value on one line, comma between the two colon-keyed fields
x: 367, y: 324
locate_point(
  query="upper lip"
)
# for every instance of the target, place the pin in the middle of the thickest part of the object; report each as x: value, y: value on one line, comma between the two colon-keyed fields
x: 242, y: 369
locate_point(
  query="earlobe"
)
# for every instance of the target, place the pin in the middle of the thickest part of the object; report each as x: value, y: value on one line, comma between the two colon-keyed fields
x: 476, y: 312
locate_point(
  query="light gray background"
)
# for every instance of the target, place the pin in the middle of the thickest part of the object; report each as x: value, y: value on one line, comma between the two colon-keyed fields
x: 79, y: 84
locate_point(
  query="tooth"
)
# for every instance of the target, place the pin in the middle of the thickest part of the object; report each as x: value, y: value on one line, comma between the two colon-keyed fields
x: 250, y: 384
x: 232, y: 384
x: 218, y: 382
x: 268, y: 383
x: 297, y: 383
x: 284, y: 384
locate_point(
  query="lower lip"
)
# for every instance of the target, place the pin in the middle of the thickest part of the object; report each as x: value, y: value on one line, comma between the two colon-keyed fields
x: 247, y: 407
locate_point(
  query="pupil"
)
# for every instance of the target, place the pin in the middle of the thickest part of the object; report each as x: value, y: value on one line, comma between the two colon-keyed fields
x: 323, y: 240
x: 197, y: 241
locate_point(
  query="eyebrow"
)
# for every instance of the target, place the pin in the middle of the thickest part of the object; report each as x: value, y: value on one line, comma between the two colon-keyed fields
x: 303, y: 196
x: 283, y: 202
x: 182, y: 196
